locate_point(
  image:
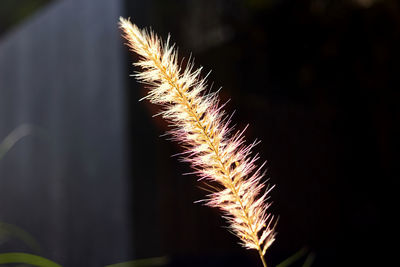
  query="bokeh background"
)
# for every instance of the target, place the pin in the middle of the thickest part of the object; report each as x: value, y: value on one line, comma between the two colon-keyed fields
x: 85, y: 179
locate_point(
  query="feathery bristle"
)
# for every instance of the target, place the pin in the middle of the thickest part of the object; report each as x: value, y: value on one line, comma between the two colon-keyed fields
x: 202, y: 127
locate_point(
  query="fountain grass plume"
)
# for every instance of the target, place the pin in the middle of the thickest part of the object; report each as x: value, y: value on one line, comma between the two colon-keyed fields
x: 198, y: 122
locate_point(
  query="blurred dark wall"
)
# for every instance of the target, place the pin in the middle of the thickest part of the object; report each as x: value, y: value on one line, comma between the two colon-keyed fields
x: 66, y: 183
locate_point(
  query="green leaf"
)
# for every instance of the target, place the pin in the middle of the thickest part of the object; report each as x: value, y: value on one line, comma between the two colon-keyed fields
x: 309, y: 260
x: 26, y: 258
x: 16, y: 135
x: 10, y: 230
x: 295, y: 257
x: 150, y: 262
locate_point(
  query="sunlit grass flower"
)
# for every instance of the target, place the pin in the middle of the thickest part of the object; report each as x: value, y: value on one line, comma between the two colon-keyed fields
x: 218, y: 155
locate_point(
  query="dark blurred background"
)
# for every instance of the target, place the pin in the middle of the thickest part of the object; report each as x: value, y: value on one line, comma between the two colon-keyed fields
x: 90, y: 179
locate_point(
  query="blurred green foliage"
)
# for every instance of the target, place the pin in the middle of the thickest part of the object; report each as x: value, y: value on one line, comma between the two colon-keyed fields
x: 297, y: 256
x: 17, y: 134
x: 26, y: 258
x: 8, y: 231
x: 13, y: 12
x: 149, y: 262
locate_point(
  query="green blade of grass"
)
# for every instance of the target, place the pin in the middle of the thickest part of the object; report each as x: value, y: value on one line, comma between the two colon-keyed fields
x: 292, y: 259
x: 31, y: 259
x: 11, y: 230
x: 309, y: 260
x: 16, y: 135
x: 150, y: 262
